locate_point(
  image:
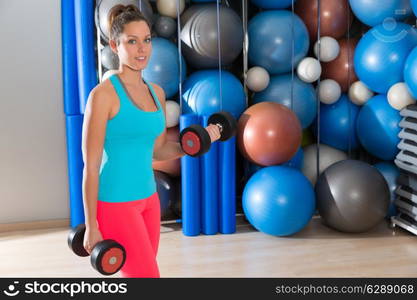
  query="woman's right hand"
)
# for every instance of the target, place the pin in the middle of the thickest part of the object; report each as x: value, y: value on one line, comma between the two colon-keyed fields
x: 91, y: 237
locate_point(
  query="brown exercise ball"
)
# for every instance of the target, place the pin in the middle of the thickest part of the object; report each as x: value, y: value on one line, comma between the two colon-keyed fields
x: 341, y: 69
x: 269, y: 133
x: 335, y: 17
x: 171, y: 167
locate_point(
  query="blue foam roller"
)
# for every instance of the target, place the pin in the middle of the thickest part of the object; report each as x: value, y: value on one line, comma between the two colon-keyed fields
x: 69, y: 59
x: 75, y: 168
x: 86, y: 57
x: 209, y: 187
x: 227, y: 204
x: 190, y: 185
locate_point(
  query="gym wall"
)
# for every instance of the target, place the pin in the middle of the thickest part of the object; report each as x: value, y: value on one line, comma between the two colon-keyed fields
x: 33, y: 168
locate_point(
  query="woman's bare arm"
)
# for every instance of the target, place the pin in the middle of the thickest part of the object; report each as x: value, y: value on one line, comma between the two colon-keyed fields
x: 94, y: 129
x: 164, y: 149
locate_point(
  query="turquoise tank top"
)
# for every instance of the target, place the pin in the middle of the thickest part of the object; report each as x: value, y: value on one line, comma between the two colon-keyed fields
x: 126, y: 172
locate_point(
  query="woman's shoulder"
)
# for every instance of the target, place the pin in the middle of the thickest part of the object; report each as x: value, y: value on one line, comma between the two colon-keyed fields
x: 102, y: 93
x: 159, y: 91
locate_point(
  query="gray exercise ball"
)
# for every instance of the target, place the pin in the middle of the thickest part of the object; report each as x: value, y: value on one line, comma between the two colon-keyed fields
x: 103, y: 8
x: 328, y: 156
x: 199, y: 35
x: 165, y: 27
x: 352, y: 196
x: 109, y: 59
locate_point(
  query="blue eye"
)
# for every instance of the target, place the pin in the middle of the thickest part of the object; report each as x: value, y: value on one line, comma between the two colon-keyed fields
x: 148, y: 40
x: 132, y: 41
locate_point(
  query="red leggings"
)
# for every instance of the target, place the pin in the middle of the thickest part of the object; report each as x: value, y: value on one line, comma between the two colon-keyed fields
x: 136, y: 226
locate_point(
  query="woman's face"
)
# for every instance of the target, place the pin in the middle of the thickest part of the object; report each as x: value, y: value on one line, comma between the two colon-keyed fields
x: 135, y: 45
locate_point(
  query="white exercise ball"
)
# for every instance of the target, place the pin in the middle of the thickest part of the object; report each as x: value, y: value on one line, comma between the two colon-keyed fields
x: 172, y: 113
x: 257, y: 79
x: 107, y: 74
x: 329, y: 49
x: 327, y: 157
x: 329, y: 91
x: 168, y: 8
x: 399, y: 96
x: 309, y: 69
x: 359, y: 93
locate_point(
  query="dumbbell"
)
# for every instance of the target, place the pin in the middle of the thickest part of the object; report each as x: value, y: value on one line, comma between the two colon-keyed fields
x: 107, y: 256
x: 195, y: 139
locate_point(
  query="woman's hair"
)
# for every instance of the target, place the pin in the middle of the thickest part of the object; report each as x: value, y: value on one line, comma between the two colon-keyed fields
x: 120, y: 15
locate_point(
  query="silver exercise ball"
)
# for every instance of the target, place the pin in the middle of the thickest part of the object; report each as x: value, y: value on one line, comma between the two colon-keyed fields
x: 352, y: 196
x: 199, y: 35
x: 103, y: 8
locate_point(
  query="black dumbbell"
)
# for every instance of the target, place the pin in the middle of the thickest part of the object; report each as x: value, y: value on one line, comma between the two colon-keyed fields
x: 107, y: 256
x: 195, y: 139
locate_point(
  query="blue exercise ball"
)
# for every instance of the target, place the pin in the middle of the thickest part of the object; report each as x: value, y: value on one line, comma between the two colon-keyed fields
x: 377, y: 128
x: 410, y: 72
x: 272, y: 4
x: 293, y: 93
x: 271, y: 36
x: 390, y: 173
x: 164, y: 67
x: 337, y: 124
x: 201, y: 93
x: 414, y: 6
x: 381, y: 54
x: 374, y: 12
x: 278, y: 200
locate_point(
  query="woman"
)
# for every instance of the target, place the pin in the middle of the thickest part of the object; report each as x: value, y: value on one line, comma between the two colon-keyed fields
x: 124, y: 128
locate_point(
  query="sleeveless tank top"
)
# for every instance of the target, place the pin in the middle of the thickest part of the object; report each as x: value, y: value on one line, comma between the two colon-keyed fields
x: 126, y: 172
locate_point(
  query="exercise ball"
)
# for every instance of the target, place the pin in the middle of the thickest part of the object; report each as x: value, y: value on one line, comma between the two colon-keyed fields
x: 103, y: 8
x: 200, y: 37
x: 327, y: 157
x: 166, y: 193
x: 329, y: 49
x: 377, y: 128
x: 334, y: 17
x: 278, y: 201
x: 257, y: 79
x: 172, y: 114
x: 262, y: 127
x: 414, y: 6
x: 109, y: 59
x: 295, y: 162
x: 271, y: 38
x: 272, y: 4
x: 202, y: 94
x: 107, y: 74
x: 359, y: 93
x: 410, y: 72
x: 390, y: 173
x: 381, y: 54
x: 172, y: 167
x: 399, y: 96
x: 292, y: 92
x: 169, y: 8
x: 337, y: 124
x: 329, y: 91
x: 165, y: 27
x: 352, y: 196
x: 309, y: 69
x: 164, y: 67
x: 341, y: 68
x: 176, y: 204
x: 374, y: 12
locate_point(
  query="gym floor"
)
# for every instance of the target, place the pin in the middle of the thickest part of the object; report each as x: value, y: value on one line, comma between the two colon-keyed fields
x: 317, y: 251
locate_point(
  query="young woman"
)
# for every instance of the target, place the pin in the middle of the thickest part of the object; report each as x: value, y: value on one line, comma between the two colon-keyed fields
x: 123, y: 130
